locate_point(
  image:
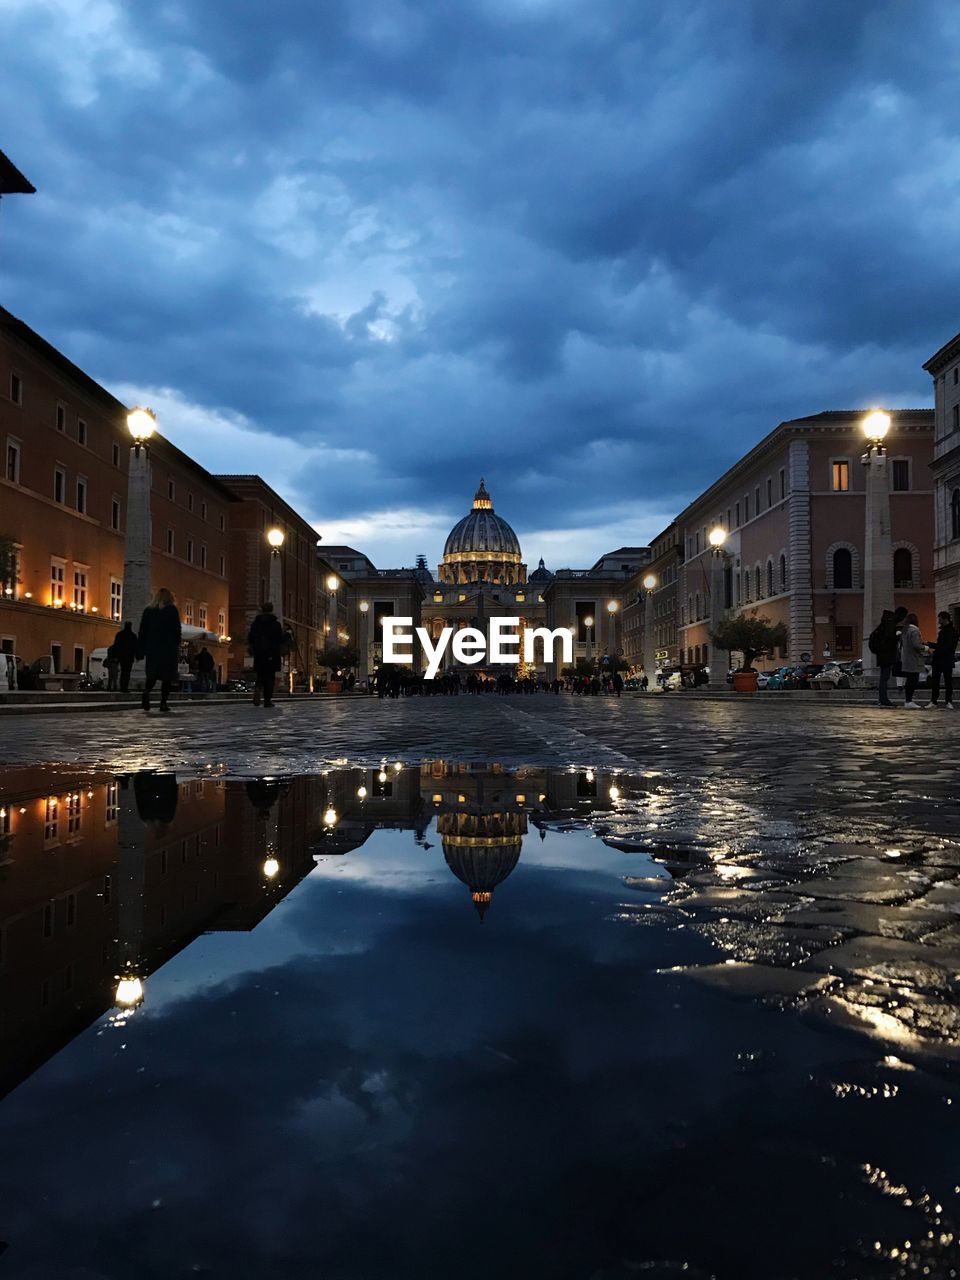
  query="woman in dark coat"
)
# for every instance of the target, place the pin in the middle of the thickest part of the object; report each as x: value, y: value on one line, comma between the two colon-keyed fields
x: 265, y: 644
x: 159, y: 644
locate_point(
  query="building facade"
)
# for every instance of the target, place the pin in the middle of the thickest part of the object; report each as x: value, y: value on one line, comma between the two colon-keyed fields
x: 944, y: 368
x: 666, y: 558
x: 590, y: 602
x: 793, y: 510
x: 63, y: 513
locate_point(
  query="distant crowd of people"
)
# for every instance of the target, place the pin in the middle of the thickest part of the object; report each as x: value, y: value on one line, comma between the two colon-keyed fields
x: 401, y: 682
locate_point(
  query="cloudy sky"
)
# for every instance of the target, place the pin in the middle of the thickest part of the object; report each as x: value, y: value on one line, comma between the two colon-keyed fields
x: 590, y: 249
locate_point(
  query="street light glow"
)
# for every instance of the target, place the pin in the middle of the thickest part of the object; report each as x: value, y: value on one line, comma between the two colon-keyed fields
x: 588, y: 622
x: 141, y: 423
x: 717, y: 537
x: 332, y: 582
x: 650, y: 581
x: 876, y: 425
x: 330, y: 817
x: 270, y: 868
x: 364, y: 606
x: 276, y: 538
x: 362, y: 793
x: 129, y: 992
x: 612, y: 606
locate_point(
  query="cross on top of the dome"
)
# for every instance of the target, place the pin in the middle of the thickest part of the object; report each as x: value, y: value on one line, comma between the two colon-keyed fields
x: 481, y: 499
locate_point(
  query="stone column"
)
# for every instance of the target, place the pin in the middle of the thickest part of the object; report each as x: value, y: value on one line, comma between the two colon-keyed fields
x: 878, y: 550
x: 718, y: 675
x: 649, y: 648
x: 275, y: 584
x: 136, y: 557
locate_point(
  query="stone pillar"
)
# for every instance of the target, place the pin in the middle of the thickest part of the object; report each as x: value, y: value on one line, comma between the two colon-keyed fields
x: 649, y: 648
x: 718, y: 674
x: 136, y: 557
x: 878, y: 550
x: 364, y: 644
x: 275, y: 584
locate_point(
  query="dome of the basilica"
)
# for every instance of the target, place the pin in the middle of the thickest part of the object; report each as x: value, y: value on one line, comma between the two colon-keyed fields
x: 541, y: 573
x: 482, y: 547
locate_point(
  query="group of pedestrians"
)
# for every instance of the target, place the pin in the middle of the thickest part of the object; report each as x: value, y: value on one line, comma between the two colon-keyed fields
x: 900, y: 650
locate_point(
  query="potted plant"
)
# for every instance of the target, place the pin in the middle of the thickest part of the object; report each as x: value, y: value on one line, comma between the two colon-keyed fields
x: 753, y: 637
x: 338, y: 658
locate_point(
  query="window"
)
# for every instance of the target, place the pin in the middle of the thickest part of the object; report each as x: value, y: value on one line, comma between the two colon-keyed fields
x: 769, y: 491
x: 114, y: 513
x: 221, y: 623
x: 770, y: 586
x: 738, y: 591
x: 844, y: 639
x: 783, y: 573
x: 900, y: 474
x: 59, y: 484
x: 955, y: 417
x: 188, y: 612
x: 759, y: 582
x: 842, y: 569
x: 16, y: 388
x: 840, y: 475
x: 78, y: 663
x: 746, y: 586
x: 116, y: 599
x: 169, y: 542
x: 57, y: 568
x: 738, y: 514
x: 203, y: 555
x: 203, y: 511
x: 171, y: 490
x: 223, y: 567
x: 12, y: 466
x: 189, y: 501
x: 202, y: 616
x: 81, y: 431
x: 80, y: 588
x: 955, y: 514
x: 115, y: 453
x: 61, y: 417
x: 81, y: 495
x: 783, y: 483
x: 746, y: 509
x: 56, y: 655
x: 112, y: 814
x: 51, y: 819
x: 956, y: 374
x: 221, y: 524
x: 756, y: 504
x: 190, y: 550
x: 903, y: 567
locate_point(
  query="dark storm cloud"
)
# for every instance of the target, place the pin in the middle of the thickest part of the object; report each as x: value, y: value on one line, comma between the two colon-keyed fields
x: 540, y: 240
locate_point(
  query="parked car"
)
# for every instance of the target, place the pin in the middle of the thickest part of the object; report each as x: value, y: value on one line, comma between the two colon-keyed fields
x: 799, y: 677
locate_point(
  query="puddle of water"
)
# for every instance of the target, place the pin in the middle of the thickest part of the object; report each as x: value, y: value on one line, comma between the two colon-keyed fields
x: 461, y: 1018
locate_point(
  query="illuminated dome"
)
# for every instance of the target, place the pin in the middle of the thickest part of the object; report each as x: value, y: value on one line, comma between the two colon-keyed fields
x: 482, y: 850
x: 482, y: 547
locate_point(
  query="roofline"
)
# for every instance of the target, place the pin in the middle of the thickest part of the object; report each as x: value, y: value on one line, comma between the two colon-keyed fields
x: 828, y: 419
x: 949, y: 351
x: 47, y: 351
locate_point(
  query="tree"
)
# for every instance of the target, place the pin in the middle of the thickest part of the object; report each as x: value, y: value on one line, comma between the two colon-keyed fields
x: 337, y: 657
x: 751, y: 635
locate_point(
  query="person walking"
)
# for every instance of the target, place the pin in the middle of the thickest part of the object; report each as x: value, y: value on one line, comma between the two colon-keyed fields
x: 911, y: 660
x: 205, y: 670
x: 944, y: 655
x: 125, y: 647
x: 112, y: 664
x: 884, y: 643
x: 159, y: 644
x: 265, y: 643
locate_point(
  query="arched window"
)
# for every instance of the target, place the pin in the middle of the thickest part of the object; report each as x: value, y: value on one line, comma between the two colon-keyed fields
x: 770, y: 588
x: 842, y: 569
x: 739, y: 593
x: 759, y: 580
x: 903, y: 567
x: 697, y: 598
x: 955, y: 514
x: 783, y: 573
x: 746, y: 586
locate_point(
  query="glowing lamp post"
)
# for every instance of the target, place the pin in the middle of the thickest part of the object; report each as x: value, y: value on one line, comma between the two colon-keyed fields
x: 612, y: 607
x: 878, y: 544
x: 588, y: 624
x: 650, y: 584
x: 364, y: 641
x: 717, y: 537
x: 141, y: 423
x: 276, y: 539
x: 333, y: 582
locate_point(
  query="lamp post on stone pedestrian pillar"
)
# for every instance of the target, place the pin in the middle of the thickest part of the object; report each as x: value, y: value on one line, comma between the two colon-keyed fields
x: 276, y: 539
x: 612, y: 607
x: 588, y: 624
x: 364, y: 641
x: 649, y: 649
x: 717, y: 537
x: 141, y: 424
x: 878, y: 545
x: 333, y: 638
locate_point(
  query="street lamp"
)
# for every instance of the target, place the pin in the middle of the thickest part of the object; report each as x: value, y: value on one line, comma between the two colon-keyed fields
x: 129, y: 992
x: 650, y: 583
x: 716, y: 537
x: 270, y: 868
x: 276, y: 539
x: 364, y: 641
x: 878, y: 544
x: 588, y: 624
x: 612, y: 607
x: 141, y: 423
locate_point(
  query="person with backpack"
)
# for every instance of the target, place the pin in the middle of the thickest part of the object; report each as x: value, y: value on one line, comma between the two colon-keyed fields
x: 942, y: 660
x: 884, y: 643
x: 265, y: 644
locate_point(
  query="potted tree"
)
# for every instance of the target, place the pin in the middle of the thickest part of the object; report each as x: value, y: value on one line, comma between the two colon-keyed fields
x: 339, y: 658
x: 753, y: 637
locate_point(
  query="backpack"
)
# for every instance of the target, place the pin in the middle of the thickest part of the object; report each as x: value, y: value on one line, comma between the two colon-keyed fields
x: 873, y: 640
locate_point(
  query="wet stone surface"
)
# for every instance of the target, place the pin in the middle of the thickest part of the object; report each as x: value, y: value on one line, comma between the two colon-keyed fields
x: 600, y: 988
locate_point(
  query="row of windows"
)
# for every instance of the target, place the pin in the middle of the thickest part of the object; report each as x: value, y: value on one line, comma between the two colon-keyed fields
x: 842, y: 576
x: 840, y: 475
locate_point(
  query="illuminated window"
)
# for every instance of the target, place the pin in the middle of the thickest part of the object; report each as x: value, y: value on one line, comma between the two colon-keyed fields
x: 51, y: 818
x: 840, y: 475
x: 116, y: 599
